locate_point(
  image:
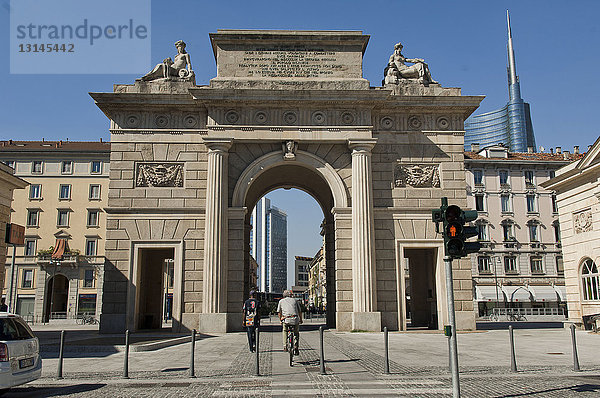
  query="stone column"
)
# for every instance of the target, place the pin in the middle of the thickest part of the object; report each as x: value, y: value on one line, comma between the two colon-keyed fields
x: 214, y: 299
x: 364, y: 283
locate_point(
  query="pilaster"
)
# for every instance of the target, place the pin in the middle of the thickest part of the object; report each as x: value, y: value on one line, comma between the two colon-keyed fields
x: 215, y: 239
x: 365, y: 315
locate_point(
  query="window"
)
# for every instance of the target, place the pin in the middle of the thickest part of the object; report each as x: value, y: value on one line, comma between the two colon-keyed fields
x: 510, y: 265
x: 551, y: 174
x: 507, y: 232
x: 531, y: 207
x: 483, y: 264
x: 533, y: 233
x: 27, y: 279
x: 590, y: 279
x: 64, y: 192
x: 36, y: 167
x: 529, y: 178
x: 63, y: 218
x: 33, y: 218
x: 88, y: 278
x: 560, y: 267
x: 478, y: 177
x: 86, y: 304
x: 479, y: 203
x: 35, y: 191
x: 30, y: 245
x: 505, y: 202
x: 66, y: 167
x: 90, y: 247
x: 96, y: 167
x: 536, y: 265
x: 554, y: 204
x: 503, y: 177
x: 482, y: 232
x: 556, y: 226
x: 10, y: 163
x: 92, y: 218
x: 94, y: 191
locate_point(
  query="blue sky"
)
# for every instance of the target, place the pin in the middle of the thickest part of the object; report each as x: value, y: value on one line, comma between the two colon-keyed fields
x: 464, y: 43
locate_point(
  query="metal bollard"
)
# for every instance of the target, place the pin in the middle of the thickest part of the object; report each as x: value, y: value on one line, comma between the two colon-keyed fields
x: 449, y: 356
x: 126, y: 360
x: 575, y: 357
x: 257, y: 351
x: 386, y: 347
x: 321, y: 353
x: 59, y: 374
x: 193, y: 356
x: 513, y: 358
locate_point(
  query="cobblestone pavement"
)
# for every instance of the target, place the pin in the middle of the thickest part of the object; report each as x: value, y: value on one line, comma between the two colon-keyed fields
x: 225, y: 368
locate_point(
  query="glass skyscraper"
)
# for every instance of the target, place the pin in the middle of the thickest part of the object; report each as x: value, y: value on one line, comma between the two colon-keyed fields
x: 268, y: 245
x: 510, y: 125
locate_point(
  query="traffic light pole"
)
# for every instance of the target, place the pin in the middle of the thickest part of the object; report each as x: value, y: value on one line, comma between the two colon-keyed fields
x: 452, y: 319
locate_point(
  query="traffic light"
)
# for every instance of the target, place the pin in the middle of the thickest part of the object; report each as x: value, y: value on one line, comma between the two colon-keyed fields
x: 455, y: 231
x: 469, y: 232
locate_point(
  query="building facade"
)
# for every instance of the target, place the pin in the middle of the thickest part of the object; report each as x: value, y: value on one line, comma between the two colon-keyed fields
x: 577, y: 186
x: 8, y: 184
x: 268, y: 245
x: 68, y: 190
x: 520, y: 264
x: 301, y: 267
x: 510, y: 125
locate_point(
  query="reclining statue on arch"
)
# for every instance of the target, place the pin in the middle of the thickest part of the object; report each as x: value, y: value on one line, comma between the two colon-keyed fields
x: 180, y: 69
x: 397, y: 68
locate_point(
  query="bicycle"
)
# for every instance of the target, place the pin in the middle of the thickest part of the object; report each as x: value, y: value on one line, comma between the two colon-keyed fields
x: 86, y: 319
x: 290, y: 339
x: 290, y: 344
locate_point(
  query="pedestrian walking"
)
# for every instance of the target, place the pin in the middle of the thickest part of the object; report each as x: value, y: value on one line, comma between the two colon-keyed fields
x: 251, y: 319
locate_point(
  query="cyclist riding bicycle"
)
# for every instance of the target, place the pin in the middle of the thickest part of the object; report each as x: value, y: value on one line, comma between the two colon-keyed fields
x: 290, y: 316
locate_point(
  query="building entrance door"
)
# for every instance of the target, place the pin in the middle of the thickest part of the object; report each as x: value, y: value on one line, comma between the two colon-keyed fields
x: 152, y: 278
x: 56, y: 298
x: 422, y: 303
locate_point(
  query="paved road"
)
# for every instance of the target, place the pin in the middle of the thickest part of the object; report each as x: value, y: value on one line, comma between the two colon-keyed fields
x: 225, y: 367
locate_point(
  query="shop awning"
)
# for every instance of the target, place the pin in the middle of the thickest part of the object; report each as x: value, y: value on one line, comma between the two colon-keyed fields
x: 488, y: 293
x: 562, y: 293
x: 59, y: 249
x: 517, y: 294
x: 543, y: 293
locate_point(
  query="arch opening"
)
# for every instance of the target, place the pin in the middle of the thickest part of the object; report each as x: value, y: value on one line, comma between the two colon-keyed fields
x: 315, y: 179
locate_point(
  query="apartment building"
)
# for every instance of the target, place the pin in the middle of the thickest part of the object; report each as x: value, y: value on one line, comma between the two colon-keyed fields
x: 58, y: 272
x: 520, y: 264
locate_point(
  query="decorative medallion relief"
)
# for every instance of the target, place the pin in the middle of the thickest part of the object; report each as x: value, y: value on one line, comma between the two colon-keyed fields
x: 159, y: 175
x: 417, y: 176
x: 427, y: 122
x: 290, y: 117
x: 166, y: 119
x: 582, y: 221
x: 231, y: 117
x: 415, y: 122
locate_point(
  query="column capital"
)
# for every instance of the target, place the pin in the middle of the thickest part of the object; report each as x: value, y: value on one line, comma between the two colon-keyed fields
x: 362, y: 145
x: 218, y: 144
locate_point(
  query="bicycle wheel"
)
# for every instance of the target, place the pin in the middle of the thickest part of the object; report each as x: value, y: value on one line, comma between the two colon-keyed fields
x: 290, y: 344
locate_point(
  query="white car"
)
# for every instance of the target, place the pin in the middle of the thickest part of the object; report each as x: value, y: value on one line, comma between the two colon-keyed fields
x: 20, y: 360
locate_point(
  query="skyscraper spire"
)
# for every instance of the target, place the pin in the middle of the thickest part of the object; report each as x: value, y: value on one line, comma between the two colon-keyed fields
x: 512, y: 69
x: 510, y: 125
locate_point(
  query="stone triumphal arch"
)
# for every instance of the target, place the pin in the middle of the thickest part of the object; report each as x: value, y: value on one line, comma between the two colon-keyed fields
x: 286, y: 109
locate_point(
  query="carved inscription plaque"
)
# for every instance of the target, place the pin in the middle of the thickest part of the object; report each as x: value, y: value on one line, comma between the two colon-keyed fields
x: 304, y: 63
